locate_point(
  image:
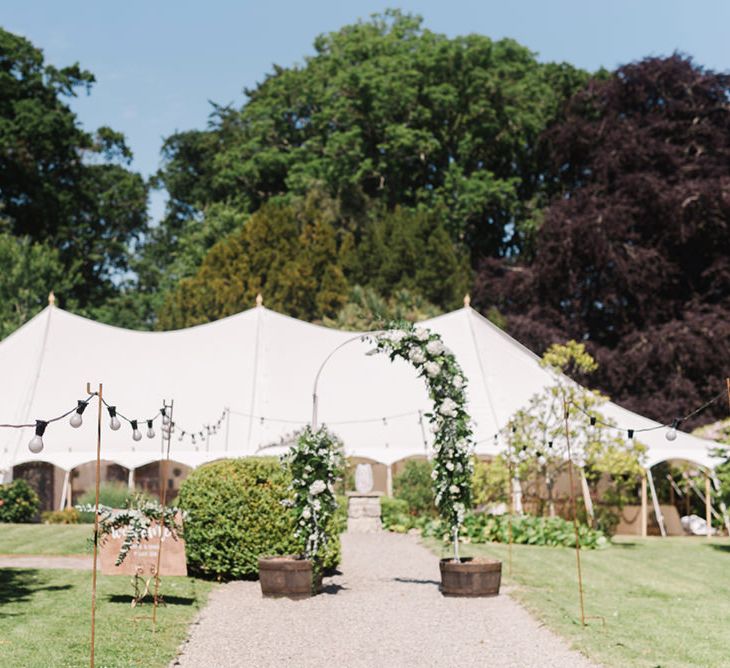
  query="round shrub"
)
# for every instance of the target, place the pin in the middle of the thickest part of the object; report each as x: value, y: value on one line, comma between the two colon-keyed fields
x: 414, y: 485
x: 18, y: 502
x: 235, y: 515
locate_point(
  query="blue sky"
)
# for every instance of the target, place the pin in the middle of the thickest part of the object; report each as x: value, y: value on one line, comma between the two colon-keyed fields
x: 159, y: 62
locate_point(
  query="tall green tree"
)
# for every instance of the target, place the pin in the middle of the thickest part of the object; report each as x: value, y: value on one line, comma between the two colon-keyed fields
x: 60, y: 185
x: 287, y: 252
x: 30, y: 271
x: 386, y: 111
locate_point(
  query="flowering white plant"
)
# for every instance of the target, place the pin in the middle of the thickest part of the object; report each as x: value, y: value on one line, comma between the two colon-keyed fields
x: 450, y: 422
x: 315, y: 463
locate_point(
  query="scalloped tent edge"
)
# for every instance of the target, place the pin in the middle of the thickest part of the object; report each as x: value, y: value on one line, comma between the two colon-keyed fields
x: 261, y: 364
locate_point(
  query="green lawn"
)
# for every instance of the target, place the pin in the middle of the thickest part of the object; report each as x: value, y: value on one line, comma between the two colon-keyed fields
x: 665, y: 602
x: 45, y: 538
x: 45, y: 615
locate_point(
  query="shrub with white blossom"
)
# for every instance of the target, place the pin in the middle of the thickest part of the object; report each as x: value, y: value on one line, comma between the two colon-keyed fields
x: 450, y: 423
x: 315, y: 463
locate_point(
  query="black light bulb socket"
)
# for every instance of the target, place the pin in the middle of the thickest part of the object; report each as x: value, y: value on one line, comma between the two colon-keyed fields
x: 149, y: 424
x: 134, y: 424
x: 163, y: 412
x: 550, y: 444
x: 676, y: 423
x: 81, y: 406
x: 112, y: 411
x: 631, y: 433
x: 593, y: 421
x: 40, y: 427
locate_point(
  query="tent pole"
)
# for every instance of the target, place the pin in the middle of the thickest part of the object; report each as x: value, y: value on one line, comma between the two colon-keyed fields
x: 130, y: 479
x: 655, y: 502
x: 587, y: 501
x: 423, y: 434
x: 64, y: 490
x: 644, y: 507
x: 228, y: 425
x: 389, y: 480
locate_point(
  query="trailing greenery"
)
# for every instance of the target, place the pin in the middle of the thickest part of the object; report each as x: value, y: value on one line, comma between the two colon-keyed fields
x: 414, y: 485
x: 135, y: 522
x: 18, y: 502
x: 235, y: 514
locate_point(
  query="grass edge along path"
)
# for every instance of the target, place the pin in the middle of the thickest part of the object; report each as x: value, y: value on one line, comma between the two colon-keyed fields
x: 665, y: 602
x: 44, y: 619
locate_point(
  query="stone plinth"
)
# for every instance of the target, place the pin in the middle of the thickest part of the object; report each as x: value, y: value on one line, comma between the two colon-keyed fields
x: 363, y: 512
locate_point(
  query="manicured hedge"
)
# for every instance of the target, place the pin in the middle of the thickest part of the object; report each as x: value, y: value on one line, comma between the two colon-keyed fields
x: 236, y: 515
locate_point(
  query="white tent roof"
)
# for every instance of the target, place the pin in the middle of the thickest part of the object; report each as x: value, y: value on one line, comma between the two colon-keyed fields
x: 261, y: 365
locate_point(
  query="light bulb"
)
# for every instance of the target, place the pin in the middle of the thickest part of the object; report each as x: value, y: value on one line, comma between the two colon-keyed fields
x: 671, y: 434
x: 36, y: 444
x: 114, y: 423
x: 76, y: 418
x: 150, y: 429
x: 137, y: 435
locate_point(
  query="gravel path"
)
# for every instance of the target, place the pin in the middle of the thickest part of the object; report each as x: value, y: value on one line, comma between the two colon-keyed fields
x: 75, y: 562
x: 385, y: 610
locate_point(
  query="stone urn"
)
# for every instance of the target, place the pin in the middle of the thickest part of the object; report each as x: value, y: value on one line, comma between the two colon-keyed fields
x: 470, y: 577
x: 287, y: 577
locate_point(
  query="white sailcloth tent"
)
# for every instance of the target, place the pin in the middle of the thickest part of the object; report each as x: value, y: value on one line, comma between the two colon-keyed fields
x: 261, y: 365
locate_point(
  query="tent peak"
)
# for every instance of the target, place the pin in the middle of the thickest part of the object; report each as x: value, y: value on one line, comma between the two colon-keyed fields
x: 259, y: 299
x: 467, y: 300
x: 51, y: 298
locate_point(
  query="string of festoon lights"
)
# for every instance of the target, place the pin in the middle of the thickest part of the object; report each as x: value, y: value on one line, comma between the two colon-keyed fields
x: 671, y: 426
x: 75, y: 415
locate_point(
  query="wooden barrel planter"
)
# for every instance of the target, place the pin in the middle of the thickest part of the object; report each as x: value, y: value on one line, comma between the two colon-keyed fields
x: 470, y: 577
x: 289, y: 577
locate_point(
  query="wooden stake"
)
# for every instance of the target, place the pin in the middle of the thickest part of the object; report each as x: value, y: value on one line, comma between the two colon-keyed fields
x: 511, y: 508
x: 644, y: 507
x: 575, y: 513
x: 96, y: 521
x: 164, y: 461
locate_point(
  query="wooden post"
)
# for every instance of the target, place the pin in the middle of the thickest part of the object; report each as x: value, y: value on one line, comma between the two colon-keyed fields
x: 574, y: 504
x: 163, y: 474
x: 708, y: 505
x: 96, y: 521
x: 644, y: 507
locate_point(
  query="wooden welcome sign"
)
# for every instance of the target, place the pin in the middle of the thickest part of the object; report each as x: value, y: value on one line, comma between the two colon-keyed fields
x: 142, y: 557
